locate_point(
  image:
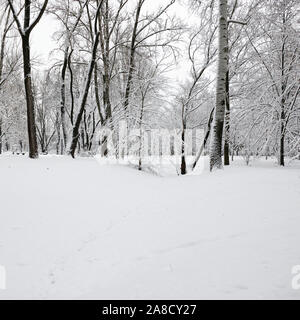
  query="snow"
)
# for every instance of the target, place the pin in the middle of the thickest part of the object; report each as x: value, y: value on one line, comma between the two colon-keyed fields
x: 86, y: 230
